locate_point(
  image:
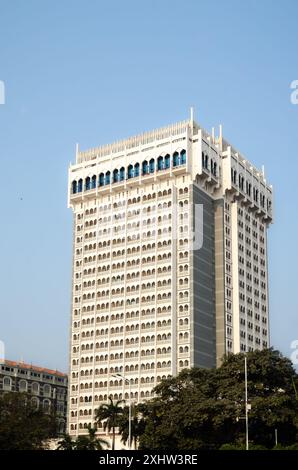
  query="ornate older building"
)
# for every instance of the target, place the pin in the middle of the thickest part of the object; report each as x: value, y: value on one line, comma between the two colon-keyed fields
x: 147, y: 300
x: 47, y: 387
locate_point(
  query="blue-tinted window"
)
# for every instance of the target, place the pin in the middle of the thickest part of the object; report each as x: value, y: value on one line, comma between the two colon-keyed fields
x: 167, y: 161
x: 137, y: 169
x: 101, y: 179
x: 160, y: 163
x: 74, y: 187
x: 145, y: 167
x: 176, y: 159
x: 115, y: 176
x: 183, y: 157
x: 130, y: 172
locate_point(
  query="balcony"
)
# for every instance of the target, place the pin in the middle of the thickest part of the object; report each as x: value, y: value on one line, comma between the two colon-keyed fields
x: 240, y: 194
x: 179, y: 170
x: 148, y: 178
x: 163, y: 173
x: 212, y: 180
x: 205, y: 173
x: 268, y: 216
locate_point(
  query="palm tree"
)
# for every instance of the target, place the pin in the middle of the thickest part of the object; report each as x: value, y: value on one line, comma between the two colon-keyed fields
x: 137, y: 427
x: 109, y: 413
x: 90, y: 442
x: 66, y: 443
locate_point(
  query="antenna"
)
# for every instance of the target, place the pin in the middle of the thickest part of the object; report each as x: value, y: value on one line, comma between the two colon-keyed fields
x: 220, y: 137
x: 263, y: 171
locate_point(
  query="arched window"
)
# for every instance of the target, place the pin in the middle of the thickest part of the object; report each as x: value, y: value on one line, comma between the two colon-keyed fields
x: 93, y: 183
x: 46, y: 405
x: 7, y: 383
x: 80, y: 186
x: 46, y: 390
x: 122, y: 174
x: 176, y: 159
x: 108, y: 177
x: 145, y: 167
x: 137, y: 169
x: 35, y: 402
x: 160, y: 163
x: 87, y: 183
x: 60, y: 407
x: 35, y: 388
x: 167, y: 161
x: 115, y: 176
x: 151, y: 165
x: 130, y: 172
x: 74, y: 187
x: 23, y: 385
x: 101, y: 180
x: 183, y: 157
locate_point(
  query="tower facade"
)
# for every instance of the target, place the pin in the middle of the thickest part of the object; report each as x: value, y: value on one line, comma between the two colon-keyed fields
x: 169, y: 262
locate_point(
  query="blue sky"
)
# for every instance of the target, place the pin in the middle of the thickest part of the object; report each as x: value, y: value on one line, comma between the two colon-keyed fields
x: 93, y: 72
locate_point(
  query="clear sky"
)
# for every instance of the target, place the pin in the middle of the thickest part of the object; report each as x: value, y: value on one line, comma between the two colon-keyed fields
x: 97, y: 71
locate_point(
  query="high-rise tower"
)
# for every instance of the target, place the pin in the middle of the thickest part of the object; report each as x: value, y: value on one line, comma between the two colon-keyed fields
x: 147, y: 301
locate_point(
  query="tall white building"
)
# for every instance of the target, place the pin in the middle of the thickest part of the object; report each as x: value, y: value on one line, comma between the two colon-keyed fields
x: 146, y: 302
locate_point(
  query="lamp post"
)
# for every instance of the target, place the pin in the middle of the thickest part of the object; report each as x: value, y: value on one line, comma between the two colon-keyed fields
x: 246, y: 403
x: 129, y: 408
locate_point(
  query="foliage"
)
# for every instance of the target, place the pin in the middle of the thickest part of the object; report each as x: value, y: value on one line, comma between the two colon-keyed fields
x: 137, y: 426
x: 22, y: 425
x: 109, y: 414
x: 204, y: 409
x: 86, y: 442
x: 66, y: 443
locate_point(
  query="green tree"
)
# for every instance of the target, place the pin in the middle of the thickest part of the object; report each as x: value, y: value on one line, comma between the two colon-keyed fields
x: 137, y: 426
x: 66, y: 443
x: 109, y: 413
x: 90, y: 442
x: 200, y: 408
x: 86, y: 442
x: 270, y: 392
x: 22, y: 425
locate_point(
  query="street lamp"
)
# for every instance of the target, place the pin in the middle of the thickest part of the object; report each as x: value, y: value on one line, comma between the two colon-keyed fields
x: 247, y: 405
x: 129, y: 409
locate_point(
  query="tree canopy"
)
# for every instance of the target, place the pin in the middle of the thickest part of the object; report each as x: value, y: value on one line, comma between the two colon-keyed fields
x: 85, y: 442
x: 109, y: 414
x: 204, y: 409
x: 22, y: 425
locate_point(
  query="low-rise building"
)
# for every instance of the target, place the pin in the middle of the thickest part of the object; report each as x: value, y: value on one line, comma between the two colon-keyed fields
x: 47, y: 387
